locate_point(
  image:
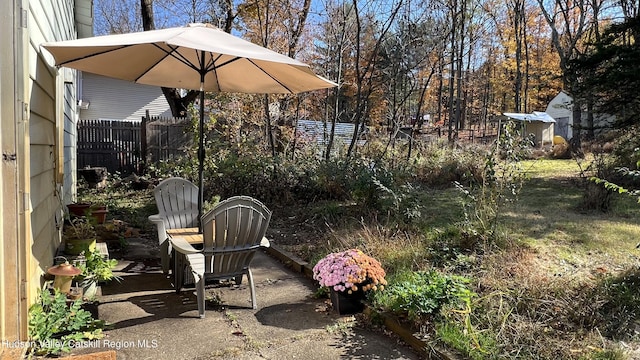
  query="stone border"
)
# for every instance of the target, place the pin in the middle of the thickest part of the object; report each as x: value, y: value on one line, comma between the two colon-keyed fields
x: 299, y: 265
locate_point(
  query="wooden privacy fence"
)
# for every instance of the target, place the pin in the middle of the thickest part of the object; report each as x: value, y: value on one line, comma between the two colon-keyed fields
x: 126, y: 146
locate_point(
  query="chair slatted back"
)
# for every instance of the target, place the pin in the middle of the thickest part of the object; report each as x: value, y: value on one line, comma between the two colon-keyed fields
x: 232, y: 232
x: 177, y: 201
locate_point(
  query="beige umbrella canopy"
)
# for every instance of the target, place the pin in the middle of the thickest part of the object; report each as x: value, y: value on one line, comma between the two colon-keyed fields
x: 197, y: 57
x: 180, y: 57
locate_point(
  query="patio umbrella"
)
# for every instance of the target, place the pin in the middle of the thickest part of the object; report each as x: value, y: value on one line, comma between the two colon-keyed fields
x: 197, y: 57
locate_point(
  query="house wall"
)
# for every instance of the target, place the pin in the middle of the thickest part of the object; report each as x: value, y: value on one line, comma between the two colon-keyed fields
x: 36, y: 104
x: 120, y: 100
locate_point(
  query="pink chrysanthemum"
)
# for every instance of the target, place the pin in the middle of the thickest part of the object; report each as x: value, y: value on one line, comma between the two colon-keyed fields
x: 349, y: 271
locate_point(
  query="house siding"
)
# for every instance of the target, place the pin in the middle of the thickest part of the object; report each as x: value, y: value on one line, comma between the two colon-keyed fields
x: 120, y: 100
x: 37, y: 104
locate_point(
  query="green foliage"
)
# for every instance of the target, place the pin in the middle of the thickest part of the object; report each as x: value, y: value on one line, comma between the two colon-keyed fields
x: 321, y: 293
x: 612, y: 174
x: 370, y: 183
x: 82, y: 227
x: 122, y: 201
x: 608, y: 354
x: 55, y: 325
x: 97, y: 267
x: 610, y: 73
x: 423, y: 294
x: 598, y: 192
x: 500, y: 184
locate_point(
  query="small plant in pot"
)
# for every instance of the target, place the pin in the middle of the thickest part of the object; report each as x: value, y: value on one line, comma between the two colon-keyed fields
x: 79, y: 236
x: 96, y: 268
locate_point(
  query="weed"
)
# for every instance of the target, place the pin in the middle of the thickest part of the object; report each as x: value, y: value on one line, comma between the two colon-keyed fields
x: 342, y: 326
x: 232, y: 317
x: 321, y: 293
x: 608, y: 354
x: 214, y: 298
x: 620, y: 305
x: 500, y: 183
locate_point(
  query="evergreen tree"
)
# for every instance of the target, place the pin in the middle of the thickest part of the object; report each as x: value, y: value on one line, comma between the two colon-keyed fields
x: 610, y: 74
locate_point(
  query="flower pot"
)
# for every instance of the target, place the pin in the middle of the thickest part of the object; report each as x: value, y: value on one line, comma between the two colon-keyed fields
x: 344, y: 303
x: 89, y: 287
x: 75, y: 246
x: 78, y: 209
x: 99, y: 215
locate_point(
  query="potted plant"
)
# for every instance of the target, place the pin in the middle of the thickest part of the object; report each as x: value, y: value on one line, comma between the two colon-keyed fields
x: 349, y: 275
x: 98, y: 213
x: 95, y: 268
x: 79, y: 236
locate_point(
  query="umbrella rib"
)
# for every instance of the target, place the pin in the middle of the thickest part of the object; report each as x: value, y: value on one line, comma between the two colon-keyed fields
x: 174, y: 54
x: 274, y: 79
x: 212, y: 67
x: 92, y: 55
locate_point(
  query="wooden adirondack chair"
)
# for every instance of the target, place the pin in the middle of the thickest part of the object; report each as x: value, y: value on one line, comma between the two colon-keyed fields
x: 232, y: 232
x: 177, y: 202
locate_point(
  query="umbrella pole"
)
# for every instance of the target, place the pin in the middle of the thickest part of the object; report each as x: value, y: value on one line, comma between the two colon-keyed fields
x: 201, y: 156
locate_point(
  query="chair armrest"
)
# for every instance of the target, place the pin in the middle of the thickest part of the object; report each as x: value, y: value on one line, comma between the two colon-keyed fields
x: 182, y: 246
x: 265, y: 242
x: 161, y: 227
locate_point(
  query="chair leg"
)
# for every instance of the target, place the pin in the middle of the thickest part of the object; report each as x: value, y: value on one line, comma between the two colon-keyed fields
x: 254, y: 303
x: 200, y: 295
x: 178, y: 271
x: 165, y: 254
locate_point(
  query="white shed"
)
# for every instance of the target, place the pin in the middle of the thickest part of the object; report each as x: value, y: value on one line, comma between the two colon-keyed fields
x: 538, y: 124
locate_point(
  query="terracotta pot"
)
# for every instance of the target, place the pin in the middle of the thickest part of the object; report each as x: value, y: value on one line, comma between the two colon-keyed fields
x: 78, y: 209
x: 99, y: 215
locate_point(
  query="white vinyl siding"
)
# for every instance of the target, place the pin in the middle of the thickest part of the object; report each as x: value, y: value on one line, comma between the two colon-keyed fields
x: 49, y: 107
x: 121, y: 100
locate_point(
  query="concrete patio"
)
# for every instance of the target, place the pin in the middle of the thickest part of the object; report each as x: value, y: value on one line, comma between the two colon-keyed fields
x: 150, y: 321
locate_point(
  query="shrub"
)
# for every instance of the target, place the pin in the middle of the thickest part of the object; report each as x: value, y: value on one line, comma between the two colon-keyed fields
x: 422, y: 295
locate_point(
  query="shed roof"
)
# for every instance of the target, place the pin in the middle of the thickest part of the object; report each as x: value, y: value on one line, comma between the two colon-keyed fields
x: 534, y: 116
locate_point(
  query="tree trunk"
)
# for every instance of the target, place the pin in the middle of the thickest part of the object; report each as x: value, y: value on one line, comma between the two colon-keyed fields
x: 177, y: 103
x: 146, y: 9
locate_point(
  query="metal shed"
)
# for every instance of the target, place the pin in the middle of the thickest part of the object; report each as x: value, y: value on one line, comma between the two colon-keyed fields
x: 538, y: 124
